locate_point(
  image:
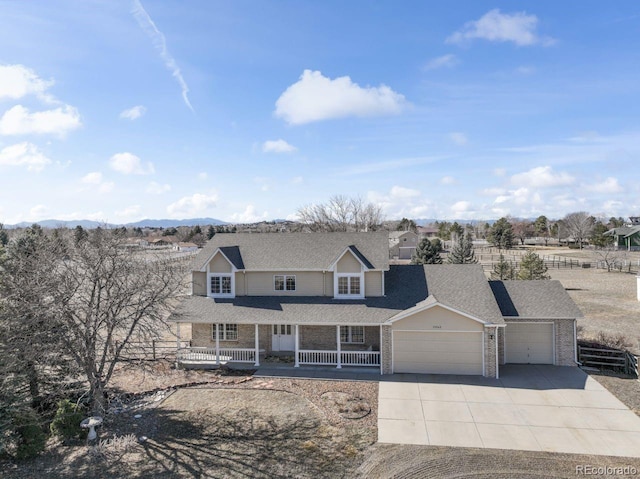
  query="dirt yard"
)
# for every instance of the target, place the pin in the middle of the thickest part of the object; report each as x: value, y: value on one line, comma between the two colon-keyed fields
x: 226, y: 425
x: 607, y: 300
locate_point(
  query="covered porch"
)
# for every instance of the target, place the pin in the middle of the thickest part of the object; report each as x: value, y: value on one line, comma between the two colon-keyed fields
x: 257, y: 345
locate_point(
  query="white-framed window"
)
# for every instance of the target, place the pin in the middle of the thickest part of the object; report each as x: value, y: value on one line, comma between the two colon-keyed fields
x: 221, y: 285
x: 228, y: 332
x: 349, y: 285
x: 284, y: 282
x: 352, y: 334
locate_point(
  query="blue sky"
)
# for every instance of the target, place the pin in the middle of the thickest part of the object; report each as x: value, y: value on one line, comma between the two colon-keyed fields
x: 242, y: 111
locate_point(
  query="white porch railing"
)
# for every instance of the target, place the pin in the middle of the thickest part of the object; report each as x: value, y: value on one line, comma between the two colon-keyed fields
x: 347, y: 358
x: 360, y: 358
x: 227, y: 355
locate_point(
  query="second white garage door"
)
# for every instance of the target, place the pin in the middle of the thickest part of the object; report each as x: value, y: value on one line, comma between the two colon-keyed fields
x: 437, y: 352
x: 529, y: 343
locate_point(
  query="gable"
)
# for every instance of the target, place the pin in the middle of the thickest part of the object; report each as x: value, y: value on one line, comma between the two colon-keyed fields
x: 348, y: 263
x: 219, y: 264
x: 437, y: 318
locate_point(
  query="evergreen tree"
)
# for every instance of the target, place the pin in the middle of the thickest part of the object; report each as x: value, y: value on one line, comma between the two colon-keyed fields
x: 4, y: 237
x: 407, y: 225
x: 503, y: 269
x: 437, y: 245
x: 426, y: 254
x: 501, y: 234
x: 598, y: 237
x: 532, y: 267
x: 462, y: 252
x: 211, y: 232
x: 79, y: 235
x: 456, y: 231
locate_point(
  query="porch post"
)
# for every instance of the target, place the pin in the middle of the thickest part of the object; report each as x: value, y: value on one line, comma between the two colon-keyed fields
x: 257, y: 347
x: 177, y: 343
x: 297, y: 346
x: 338, y: 344
x: 217, y: 344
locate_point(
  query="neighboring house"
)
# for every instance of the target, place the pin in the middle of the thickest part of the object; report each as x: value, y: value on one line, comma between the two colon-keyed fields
x: 626, y: 237
x: 185, y: 247
x: 427, y: 232
x: 402, y: 244
x: 333, y: 299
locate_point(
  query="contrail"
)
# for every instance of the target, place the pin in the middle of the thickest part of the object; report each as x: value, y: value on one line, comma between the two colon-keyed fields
x: 159, y: 41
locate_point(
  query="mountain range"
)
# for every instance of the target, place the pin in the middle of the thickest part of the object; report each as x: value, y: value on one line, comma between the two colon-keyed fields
x: 148, y: 223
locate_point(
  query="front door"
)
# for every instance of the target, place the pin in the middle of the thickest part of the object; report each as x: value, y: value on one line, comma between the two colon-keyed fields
x: 282, y: 338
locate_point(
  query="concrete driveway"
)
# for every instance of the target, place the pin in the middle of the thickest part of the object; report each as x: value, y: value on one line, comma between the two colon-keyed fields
x: 534, y: 408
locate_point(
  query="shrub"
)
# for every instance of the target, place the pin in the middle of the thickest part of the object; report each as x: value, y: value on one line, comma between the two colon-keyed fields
x: 616, y: 341
x: 66, y: 422
x: 29, y: 437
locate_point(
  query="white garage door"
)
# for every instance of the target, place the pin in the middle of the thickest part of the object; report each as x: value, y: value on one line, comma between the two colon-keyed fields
x: 437, y: 353
x: 529, y: 343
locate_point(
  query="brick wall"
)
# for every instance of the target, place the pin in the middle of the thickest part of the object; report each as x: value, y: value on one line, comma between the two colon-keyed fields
x: 490, y: 336
x: 385, y: 350
x: 324, y: 338
x: 201, y: 336
x: 501, y: 346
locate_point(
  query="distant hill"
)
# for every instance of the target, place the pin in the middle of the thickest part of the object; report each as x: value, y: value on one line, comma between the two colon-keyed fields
x: 88, y: 224
x: 175, y: 223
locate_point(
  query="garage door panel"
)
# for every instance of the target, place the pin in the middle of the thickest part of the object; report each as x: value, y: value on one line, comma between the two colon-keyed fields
x: 438, y: 352
x: 530, y: 343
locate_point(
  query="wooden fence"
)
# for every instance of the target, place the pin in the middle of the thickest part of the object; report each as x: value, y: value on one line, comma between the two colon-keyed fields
x: 154, y: 349
x: 608, y: 358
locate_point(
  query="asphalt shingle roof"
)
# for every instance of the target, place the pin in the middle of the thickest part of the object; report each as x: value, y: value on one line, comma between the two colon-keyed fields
x: 544, y: 299
x: 462, y: 287
x: 298, y: 251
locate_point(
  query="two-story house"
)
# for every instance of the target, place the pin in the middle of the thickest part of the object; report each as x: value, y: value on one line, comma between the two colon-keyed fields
x: 333, y: 299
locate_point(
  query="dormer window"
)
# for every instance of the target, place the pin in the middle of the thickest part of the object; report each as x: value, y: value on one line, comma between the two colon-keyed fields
x: 221, y: 285
x: 349, y: 285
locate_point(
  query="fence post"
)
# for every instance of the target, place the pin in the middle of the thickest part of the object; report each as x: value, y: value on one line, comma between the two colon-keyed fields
x: 153, y: 347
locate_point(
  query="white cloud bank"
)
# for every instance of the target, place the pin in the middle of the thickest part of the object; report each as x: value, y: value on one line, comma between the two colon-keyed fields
x: 18, y: 81
x: 315, y: 97
x: 129, y: 164
x: 197, y: 204
x: 24, y: 154
x: 133, y: 113
x: 519, y: 28
x: 19, y: 121
x: 249, y: 215
x: 158, y: 189
x: 542, y: 177
x: 95, y: 180
x: 277, y: 146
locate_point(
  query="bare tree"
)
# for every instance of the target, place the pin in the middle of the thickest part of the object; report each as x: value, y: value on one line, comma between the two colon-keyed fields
x: 341, y: 213
x: 522, y: 228
x: 94, y: 300
x: 579, y: 225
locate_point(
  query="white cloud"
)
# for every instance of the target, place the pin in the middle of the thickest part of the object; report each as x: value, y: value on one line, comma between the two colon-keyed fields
x: 448, y: 180
x: 93, y: 178
x: 249, y: 215
x: 133, y: 113
x: 197, y: 204
x: 18, y: 81
x: 402, y: 192
x: 462, y: 209
x: 493, y: 191
x: 445, y: 61
x: 458, y: 138
x: 609, y: 185
x: 277, y: 146
x: 158, y: 189
x: 19, y: 121
x: 129, y: 212
x: 38, y: 212
x: 24, y: 154
x: 542, y: 177
x: 519, y: 28
x: 203, y: 176
x: 500, y: 171
x: 129, y: 164
x: 160, y: 43
x: 315, y: 97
